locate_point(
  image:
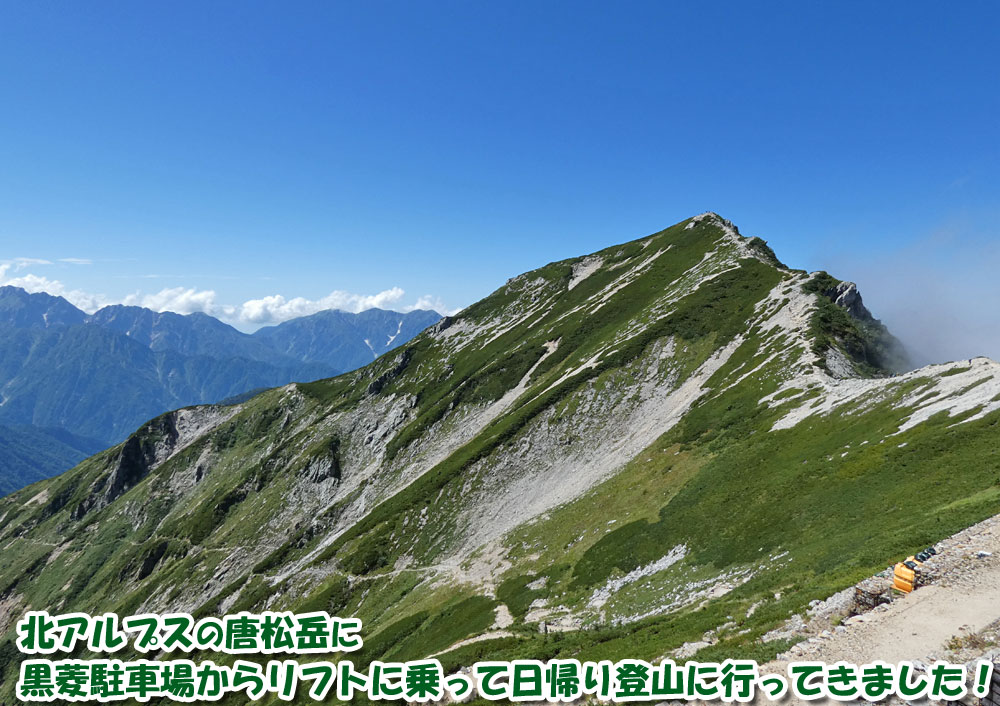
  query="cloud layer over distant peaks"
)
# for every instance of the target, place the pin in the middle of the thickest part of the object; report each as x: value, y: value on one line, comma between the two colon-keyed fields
x: 276, y: 308
x: 271, y: 309
x: 36, y: 283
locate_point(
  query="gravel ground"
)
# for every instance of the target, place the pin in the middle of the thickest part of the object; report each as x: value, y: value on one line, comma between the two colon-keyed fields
x: 954, y: 617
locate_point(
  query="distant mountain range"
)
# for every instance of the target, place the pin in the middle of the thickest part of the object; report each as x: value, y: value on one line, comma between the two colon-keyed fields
x: 29, y: 454
x: 73, y: 383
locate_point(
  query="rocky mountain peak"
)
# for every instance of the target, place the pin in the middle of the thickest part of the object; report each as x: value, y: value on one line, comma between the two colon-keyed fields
x: 847, y: 296
x: 23, y: 309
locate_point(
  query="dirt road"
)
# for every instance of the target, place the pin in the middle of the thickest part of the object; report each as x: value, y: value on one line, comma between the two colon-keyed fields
x: 957, y: 618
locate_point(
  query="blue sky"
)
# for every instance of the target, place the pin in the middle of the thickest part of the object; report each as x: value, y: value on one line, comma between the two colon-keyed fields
x: 227, y: 152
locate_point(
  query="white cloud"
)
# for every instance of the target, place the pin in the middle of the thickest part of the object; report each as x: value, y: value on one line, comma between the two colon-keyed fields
x: 33, y: 283
x: 275, y: 308
x: 270, y: 309
x: 22, y: 262
x: 87, y: 301
x: 429, y: 301
x: 179, y: 300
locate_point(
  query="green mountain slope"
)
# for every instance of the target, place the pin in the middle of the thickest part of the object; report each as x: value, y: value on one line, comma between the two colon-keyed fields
x: 609, y: 456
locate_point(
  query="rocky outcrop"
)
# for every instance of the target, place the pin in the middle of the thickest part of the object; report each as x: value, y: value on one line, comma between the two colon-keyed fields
x: 149, y: 447
x: 140, y: 453
x: 442, y: 325
x: 398, y: 366
x: 859, y: 336
x: 136, y: 457
x: 846, y: 295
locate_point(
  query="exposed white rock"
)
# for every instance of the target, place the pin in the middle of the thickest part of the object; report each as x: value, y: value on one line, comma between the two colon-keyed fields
x: 584, y: 269
x: 612, y: 586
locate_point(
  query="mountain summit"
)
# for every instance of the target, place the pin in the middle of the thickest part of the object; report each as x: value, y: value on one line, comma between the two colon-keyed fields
x: 670, y: 445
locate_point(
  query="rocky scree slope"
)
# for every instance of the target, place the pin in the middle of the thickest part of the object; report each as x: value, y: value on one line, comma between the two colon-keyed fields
x: 613, y: 455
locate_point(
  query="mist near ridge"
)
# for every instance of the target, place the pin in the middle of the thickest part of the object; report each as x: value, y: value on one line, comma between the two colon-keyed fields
x: 940, y: 295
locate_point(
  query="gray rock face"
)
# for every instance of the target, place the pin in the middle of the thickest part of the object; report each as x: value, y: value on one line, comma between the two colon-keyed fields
x: 867, y: 341
x: 847, y: 296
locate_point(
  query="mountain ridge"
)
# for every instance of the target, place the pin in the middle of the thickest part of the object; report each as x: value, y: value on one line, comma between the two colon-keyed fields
x: 100, y: 375
x: 633, y: 449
